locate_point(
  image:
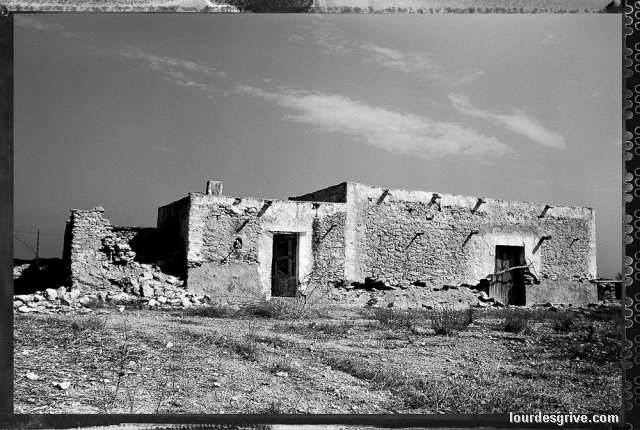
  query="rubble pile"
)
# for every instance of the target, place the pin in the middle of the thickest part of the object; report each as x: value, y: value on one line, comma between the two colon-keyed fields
x: 141, y: 285
x: 118, y: 251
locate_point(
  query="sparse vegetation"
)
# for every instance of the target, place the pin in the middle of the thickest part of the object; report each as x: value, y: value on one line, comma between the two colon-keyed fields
x: 378, y: 361
x: 563, y: 322
x: 516, y: 320
x: 449, y: 322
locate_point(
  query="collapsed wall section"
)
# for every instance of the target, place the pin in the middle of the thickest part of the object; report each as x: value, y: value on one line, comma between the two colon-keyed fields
x: 97, y: 253
x: 231, y: 241
x: 403, y: 238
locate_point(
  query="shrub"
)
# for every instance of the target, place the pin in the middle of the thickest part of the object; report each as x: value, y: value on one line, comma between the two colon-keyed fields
x: 563, y: 322
x: 470, y: 315
x: 247, y: 347
x: 277, y: 308
x: 399, y: 319
x: 92, y: 323
x: 516, y: 321
x: 213, y: 310
x: 448, y: 321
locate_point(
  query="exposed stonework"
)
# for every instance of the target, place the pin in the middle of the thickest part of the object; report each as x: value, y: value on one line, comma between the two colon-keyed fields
x: 220, y: 269
x: 402, y: 238
x: 83, y: 244
x: 413, y: 244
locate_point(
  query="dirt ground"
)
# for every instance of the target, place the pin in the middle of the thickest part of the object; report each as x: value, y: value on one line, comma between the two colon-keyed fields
x: 335, y: 360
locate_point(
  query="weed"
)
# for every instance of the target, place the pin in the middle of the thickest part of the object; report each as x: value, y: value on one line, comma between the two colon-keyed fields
x: 213, y: 310
x: 276, y: 308
x: 563, y: 322
x: 274, y: 341
x: 282, y: 365
x: 449, y: 322
x: 470, y: 316
x: 91, y: 324
x: 399, y: 319
x: 516, y: 321
x: 246, y: 347
x: 341, y: 328
x: 274, y: 408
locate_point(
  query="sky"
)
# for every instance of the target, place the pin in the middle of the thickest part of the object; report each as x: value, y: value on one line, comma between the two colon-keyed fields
x: 133, y: 111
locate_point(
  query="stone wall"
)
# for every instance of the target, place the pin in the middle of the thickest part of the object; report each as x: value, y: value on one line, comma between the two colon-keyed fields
x: 411, y: 237
x: 84, y: 233
x: 223, y: 269
x: 97, y: 253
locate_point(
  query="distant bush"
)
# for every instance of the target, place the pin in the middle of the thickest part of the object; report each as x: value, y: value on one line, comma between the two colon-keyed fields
x: 399, y: 319
x: 449, y: 322
x: 470, y: 315
x: 92, y: 323
x: 213, y: 310
x: 516, y: 321
x: 276, y: 308
x: 563, y: 322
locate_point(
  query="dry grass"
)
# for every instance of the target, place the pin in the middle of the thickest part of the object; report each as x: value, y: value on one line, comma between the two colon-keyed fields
x: 381, y: 361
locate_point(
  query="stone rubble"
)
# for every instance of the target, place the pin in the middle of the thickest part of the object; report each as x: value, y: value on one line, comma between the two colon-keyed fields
x: 139, y: 284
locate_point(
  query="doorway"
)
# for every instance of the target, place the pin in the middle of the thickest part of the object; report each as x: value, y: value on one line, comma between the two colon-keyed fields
x: 508, y: 285
x: 284, y: 272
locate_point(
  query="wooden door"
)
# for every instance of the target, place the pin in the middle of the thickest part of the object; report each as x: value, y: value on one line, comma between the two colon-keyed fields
x: 508, y: 286
x: 284, y: 274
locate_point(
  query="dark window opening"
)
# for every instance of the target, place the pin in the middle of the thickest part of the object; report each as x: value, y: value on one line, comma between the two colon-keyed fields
x: 284, y: 272
x: 508, y: 285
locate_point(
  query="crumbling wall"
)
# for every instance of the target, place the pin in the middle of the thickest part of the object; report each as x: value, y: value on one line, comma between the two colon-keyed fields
x: 230, y: 244
x: 84, y: 233
x: 97, y: 253
x: 405, y: 238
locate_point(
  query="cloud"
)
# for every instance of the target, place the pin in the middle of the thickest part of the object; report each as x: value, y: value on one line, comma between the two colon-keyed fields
x: 551, y: 39
x: 325, y: 35
x: 182, y: 73
x: 517, y: 122
x: 392, y: 131
x: 419, y: 65
x: 414, y: 63
x: 25, y: 21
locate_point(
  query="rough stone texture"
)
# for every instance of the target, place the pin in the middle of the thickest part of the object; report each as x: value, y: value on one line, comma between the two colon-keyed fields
x: 401, y: 237
x: 214, y: 188
x: 84, y: 233
x: 412, y: 243
x: 223, y: 271
x: 97, y: 253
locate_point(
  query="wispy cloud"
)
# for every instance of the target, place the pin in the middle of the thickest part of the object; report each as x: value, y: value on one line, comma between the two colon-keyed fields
x: 391, y: 131
x: 26, y: 21
x: 518, y: 122
x: 326, y: 35
x: 550, y: 38
x: 420, y: 65
x: 180, y: 72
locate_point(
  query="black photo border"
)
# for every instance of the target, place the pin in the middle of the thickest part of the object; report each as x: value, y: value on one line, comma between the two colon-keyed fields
x: 630, y: 158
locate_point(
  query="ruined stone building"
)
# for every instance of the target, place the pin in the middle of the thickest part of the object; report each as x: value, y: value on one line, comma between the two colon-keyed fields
x: 350, y: 235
